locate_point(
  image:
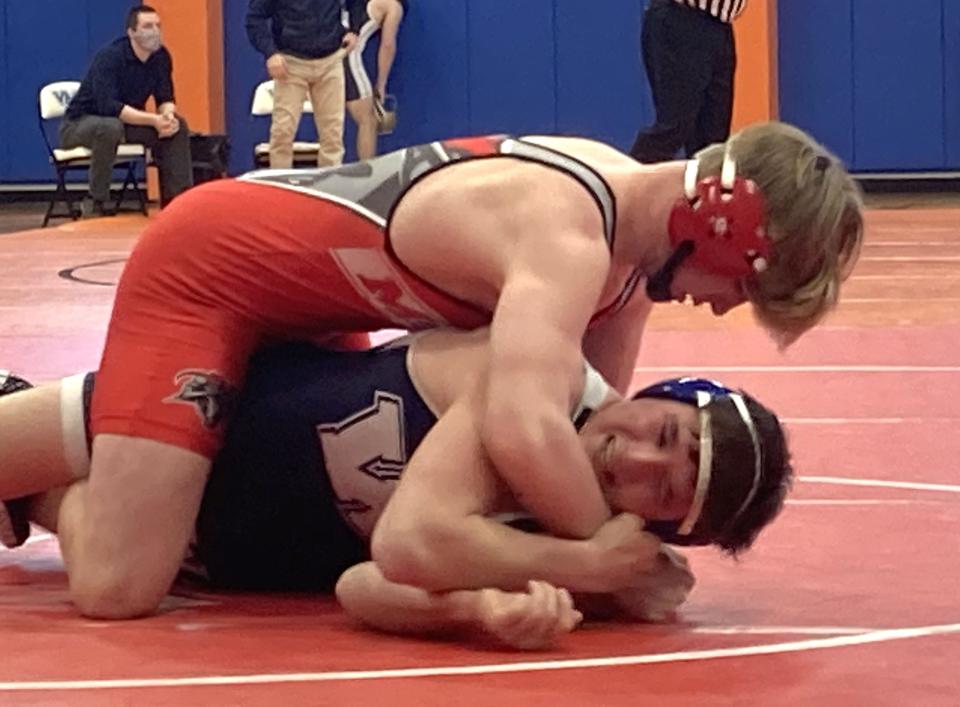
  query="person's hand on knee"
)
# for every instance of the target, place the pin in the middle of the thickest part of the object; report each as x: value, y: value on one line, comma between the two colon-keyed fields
x: 169, y: 126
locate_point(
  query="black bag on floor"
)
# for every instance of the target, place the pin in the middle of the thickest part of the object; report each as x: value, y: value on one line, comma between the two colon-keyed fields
x: 211, y: 155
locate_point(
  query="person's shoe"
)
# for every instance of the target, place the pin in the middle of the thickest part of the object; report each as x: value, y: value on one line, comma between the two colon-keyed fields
x: 14, y: 526
x: 94, y: 208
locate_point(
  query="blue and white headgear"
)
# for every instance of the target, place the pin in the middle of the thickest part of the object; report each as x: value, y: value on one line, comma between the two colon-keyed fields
x: 721, y: 410
x: 731, y: 460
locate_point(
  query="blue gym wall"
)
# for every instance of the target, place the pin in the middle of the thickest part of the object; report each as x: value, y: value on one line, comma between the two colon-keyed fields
x: 877, y: 80
x: 43, y: 41
x: 4, y: 122
x: 951, y: 79
x: 477, y: 66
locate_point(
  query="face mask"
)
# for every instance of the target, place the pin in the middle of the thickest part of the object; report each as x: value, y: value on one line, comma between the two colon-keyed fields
x: 148, y: 40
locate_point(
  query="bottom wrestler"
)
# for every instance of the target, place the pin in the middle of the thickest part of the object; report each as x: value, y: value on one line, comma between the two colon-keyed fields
x: 320, y: 441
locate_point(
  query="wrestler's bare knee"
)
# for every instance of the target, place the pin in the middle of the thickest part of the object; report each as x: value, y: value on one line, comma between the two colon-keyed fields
x: 99, y: 593
x: 124, y: 532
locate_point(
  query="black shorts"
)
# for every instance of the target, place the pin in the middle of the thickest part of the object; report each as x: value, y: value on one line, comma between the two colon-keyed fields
x: 356, y: 75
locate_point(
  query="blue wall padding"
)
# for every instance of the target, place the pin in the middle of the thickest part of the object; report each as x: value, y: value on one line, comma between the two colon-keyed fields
x: 46, y: 40
x: 816, y: 70
x: 898, y: 84
x: 951, y: 81
x: 876, y: 80
x: 5, y: 164
x: 512, y: 68
x: 602, y: 88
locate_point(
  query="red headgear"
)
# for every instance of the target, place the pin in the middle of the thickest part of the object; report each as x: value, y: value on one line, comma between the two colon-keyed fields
x: 724, y: 219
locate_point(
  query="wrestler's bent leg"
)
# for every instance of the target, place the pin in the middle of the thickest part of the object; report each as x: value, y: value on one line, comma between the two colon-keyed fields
x: 124, y: 531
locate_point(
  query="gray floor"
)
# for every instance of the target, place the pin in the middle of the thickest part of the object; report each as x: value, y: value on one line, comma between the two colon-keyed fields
x: 21, y: 216
x: 943, y: 200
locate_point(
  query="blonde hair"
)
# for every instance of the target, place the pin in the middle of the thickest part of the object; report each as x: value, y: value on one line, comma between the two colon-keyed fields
x: 814, y: 218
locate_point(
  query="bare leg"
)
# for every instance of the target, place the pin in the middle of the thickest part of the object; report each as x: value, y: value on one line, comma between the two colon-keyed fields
x: 125, y: 530
x: 33, y: 455
x: 361, y: 110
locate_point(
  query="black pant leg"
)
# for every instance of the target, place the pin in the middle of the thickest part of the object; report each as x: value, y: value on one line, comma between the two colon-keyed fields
x: 677, y: 74
x: 102, y: 136
x: 716, y: 111
x: 172, y: 155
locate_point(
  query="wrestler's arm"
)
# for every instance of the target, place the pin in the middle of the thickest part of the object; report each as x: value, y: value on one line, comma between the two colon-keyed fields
x: 434, y: 533
x: 530, y: 619
x: 389, y: 30
x: 613, y: 345
x: 549, y: 294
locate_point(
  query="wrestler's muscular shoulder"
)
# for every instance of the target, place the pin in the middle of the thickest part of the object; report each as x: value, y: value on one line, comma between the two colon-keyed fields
x: 464, y: 227
x: 599, y: 155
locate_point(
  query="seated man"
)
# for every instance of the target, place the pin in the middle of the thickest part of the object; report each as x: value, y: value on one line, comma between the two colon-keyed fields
x: 109, y: 109
x: 318, y: 453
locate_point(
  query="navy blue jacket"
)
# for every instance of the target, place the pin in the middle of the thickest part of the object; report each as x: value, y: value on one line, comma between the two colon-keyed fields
x: 308, y: 29
x: 117, y: 78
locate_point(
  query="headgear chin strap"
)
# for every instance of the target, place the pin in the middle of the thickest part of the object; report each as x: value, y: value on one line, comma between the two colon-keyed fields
x: 718, y: 225
x: 711, y: 399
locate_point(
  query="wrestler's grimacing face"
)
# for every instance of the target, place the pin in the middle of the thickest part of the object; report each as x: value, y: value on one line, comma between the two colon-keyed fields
x: 645, y: 453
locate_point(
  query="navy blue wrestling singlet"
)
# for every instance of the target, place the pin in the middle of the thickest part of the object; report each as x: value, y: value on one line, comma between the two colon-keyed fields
x: 316, y: 446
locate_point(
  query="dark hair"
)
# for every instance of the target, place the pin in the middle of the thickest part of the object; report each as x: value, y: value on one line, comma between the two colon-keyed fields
x: 133, y: 15
x: 722, y: 521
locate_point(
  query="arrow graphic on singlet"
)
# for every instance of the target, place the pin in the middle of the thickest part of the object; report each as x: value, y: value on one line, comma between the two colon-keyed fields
x: 382, y: 469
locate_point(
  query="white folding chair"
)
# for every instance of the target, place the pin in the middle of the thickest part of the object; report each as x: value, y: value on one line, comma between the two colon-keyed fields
x: 304, y: 153
x: 53, y: 102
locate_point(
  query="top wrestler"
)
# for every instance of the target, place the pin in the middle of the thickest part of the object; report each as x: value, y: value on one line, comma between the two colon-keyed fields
x: 544, y: 238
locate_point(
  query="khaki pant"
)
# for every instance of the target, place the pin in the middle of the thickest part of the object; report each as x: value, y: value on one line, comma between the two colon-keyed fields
x: 323, y: 80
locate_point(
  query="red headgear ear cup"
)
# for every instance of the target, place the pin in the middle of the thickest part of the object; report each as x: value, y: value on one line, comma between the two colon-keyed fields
x: 719, y: 226
x: 724, y: 219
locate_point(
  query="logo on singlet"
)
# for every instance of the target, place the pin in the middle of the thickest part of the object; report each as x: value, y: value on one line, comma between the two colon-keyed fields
x: 364, y: 455
x: 212, y: 397
x: 375, y: 278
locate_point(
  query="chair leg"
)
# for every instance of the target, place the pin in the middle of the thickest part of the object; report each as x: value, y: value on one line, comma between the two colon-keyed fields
x: 46, y: 216
x: 61, y: 194
x: 122, y: 196
x: 72, y: 211
x: 140, y: 194
x: 130, y: 182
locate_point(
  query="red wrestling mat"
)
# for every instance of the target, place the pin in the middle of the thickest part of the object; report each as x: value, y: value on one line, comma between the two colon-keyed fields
x: 850, y: 599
